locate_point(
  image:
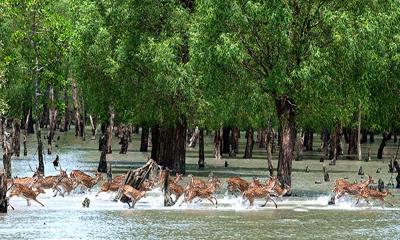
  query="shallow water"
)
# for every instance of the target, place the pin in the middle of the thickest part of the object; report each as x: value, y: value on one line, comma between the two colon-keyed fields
x: 303, y: 216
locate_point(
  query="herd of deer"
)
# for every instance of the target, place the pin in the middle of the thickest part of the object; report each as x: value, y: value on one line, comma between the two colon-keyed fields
x: 30, y: 187
x: 360, y: 191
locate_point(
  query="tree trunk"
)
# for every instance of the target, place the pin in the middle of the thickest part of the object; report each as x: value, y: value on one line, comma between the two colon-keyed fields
x: 268, y: 142
x: 130, y: 133
x: 93, y: 124
x: 325, y: 136
x: 235, y: 141
x: 110, y: 128
x: 261, y: 142
x: 7, y: 152
x: 286, y: 116
x: 155, y: 142
x: 76, y: 109
x: 44, y: 122
x: 201, y: 148
x: 359, y: 134
x: 352, y: 149
x: 83, y: 121
x: 371, y: 137
x: 308, y: 140
x: 335, y: 149
x: 248, y: 153
x: 364, y: 136
x: 217, y: 144
x: 124, y: 140
x: 103, y: 157
x: 346, y: 134
x: 226, y: 140
x: 193, y: 139
x: 385, y: 137
x: 172, y: 147
x: 103, y: 137
x: 144, y: 140
x: 3, y: 193
x: 16, y: 137
x: 66, y: 113
x: 26, y: 130
x: 36, y: 79
x: 52, y: 125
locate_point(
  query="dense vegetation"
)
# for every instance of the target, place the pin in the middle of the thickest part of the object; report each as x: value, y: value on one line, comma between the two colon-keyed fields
x: 170, y: 65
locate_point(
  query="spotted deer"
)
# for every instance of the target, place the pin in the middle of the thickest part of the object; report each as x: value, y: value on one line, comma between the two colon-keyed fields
x: 133, y: 194
x: 84, y: 179
x: 342, y: 188
x: 28, y: 193
x: 264, y: 191
x: 368, y: 193
x: 206, y: 192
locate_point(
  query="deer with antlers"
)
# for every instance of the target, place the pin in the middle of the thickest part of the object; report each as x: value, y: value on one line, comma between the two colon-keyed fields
x: 206, y: 192
x: 263, y: 191
x: 51, y: 182
x: 27, y: 181
x: 342, y: 187
x: 83, y: 179
x: 28, y: 193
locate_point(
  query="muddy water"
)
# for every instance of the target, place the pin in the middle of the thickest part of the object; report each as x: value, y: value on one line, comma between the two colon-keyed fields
x: 306, y: 215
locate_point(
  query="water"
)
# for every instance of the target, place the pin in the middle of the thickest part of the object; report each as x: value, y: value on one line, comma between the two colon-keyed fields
x: 303, y: 216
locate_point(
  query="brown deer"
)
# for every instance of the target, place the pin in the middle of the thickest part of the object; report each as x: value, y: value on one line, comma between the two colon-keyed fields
x: 195, y: 182
x: 20, y: 190
x: 133, y: 194
x: 112, y: 186
x: 279, y: 191
x: 175, y: 188
x: 27, y: 181
x: 51, y: 182
x: 237, y: 184
x: 66, y: 184
x: 203, y: 192
x: 84, y: 179
x: 261, y: 192
x: 351, y: 189
x: 367, y: 193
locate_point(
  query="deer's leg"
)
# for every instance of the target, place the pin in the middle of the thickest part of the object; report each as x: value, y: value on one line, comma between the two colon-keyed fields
x: 38, y: 202
x: 210, y: 199
x: 268, y: 197
x: 384, y: 201
x: 27, y: 202
x: 11, y: 206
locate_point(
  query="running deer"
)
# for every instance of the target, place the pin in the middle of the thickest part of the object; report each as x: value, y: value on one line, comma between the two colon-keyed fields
x: 112, y: 186
x: 342, y: 187
x: 279, y: 191
x: 84, y: 179
x: 20, y: 190
x: 375, y: 195
x: 237, y: 184
x: 175, y: 188
x: 133, y: 194
x: 203, y: 192
x: 27, y: 181
x: 261, y: 192
x: 195, y: 182
x: 51, y: 182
